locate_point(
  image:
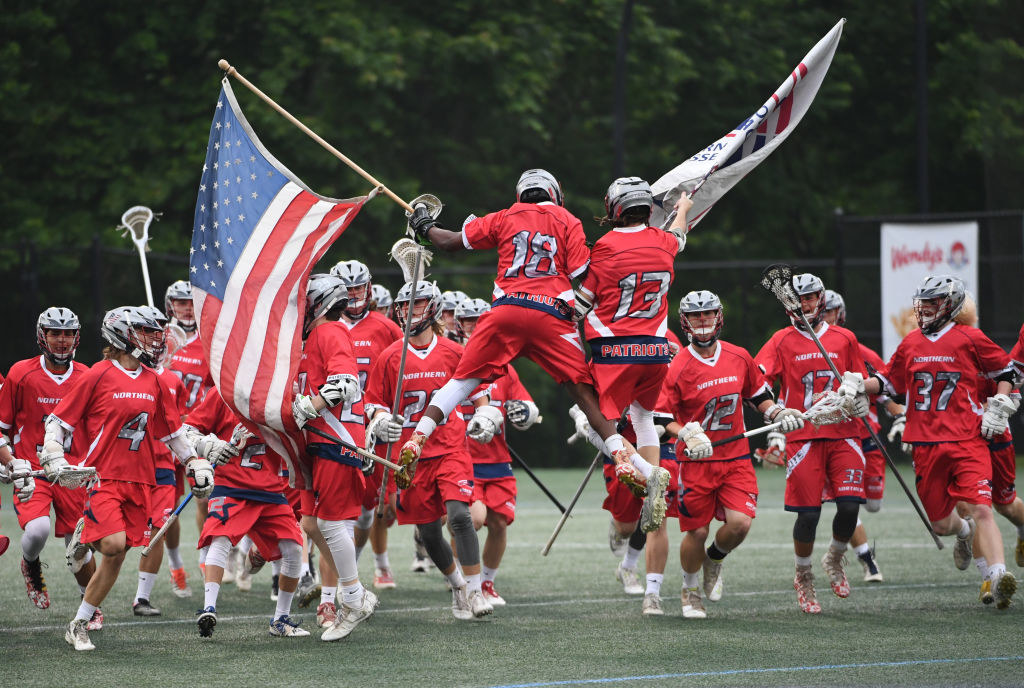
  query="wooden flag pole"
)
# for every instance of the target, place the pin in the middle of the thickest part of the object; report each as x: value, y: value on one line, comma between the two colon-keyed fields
x: 231, y: 71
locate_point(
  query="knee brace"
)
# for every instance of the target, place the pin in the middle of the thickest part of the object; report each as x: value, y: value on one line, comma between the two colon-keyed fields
x: 874, y: 505
x: 643, y: 425
x: 439, y: 551
x: 338, y: 535
x: 845, y: 521
x: 34, y: 538
x: 806, y: 525
x: 461, y: 524
x: 218, y: 552
x: 638, y: 539
x: 291, y: 558
x: 365, y: 519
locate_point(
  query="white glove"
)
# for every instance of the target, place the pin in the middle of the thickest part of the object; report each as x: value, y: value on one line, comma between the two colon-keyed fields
x: 24, y: 483
x: 582, y: 304
x: 583, y: 429
x: 697, y: 443
x: 5, y: 474
x: 201, y: 472
x: 997, y: 414
x: 484, y: 424
x: 521, y: 413
x: 241, y: 435
x: 899, y: 424
x: 852, y: 384
x: 51, y: 458
x: 344, y: 389
x: 215, y: 449
x: 777, y: 440
x: 791, y: 420
x: 385, y: 428
x: 303, y: 410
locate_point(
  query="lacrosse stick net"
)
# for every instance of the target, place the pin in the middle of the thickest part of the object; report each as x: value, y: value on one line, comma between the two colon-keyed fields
x: 778, y: 279
x: 136, y: 221
x: 828, y: 408
x: 71, y: 477
x: 411, y: 258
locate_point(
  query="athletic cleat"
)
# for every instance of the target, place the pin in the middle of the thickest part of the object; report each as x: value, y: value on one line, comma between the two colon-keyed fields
x: 421, y: 560
x: 407, y: 457
x: 76, y: 551
x: 274, y: 589
x: 252, y: 562
x: 326, y: 614
x: 5, y: 542
x: 460, y: 604
x: 206, y: 620
x: 1018, y: 552
x: 179, y: 583
x: 693, y: 606
x: 712, y: 579
x: 616, y: 541
x: 35, y: 586
x: 630, y: 476
x: 986, y: 595
x: 652, y: 605
x: 307, y: 591
x: 383, y: 580
x: 963, y: 549
x: 96, y: 622
x: 652, y: 513
x: 144, y: 608
x: 630, y: 580
x: 833, y: 564
x: 871, y: 572
x: 285, y: 627
x: 243, y: 580
x: 350, y: 617
x: 804, y: 585
x: 77, y: 636
x: 1005, y: 587
x: 479, y: 604
x: 234, y: 565
x: 491, y: 595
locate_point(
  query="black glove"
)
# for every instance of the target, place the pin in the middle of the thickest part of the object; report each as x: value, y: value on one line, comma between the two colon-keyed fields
x: 420, y: 222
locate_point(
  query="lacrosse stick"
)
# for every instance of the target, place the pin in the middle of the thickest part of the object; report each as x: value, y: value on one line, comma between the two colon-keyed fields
x: 575, y: 498
x: 522, y: 464
x: 137, y: 220
x: 71, y: 477
x: 351, y: 447
x: 778, y: 280
x: 174, y: 339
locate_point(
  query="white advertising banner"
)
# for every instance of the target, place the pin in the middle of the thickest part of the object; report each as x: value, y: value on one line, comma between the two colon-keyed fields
x: 911, y: 252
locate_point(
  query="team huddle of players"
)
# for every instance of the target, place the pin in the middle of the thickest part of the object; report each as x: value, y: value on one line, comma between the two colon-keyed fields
x: 666, y: 414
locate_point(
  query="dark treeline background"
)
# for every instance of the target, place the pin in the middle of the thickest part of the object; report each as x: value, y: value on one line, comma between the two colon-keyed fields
x: 108, y: 105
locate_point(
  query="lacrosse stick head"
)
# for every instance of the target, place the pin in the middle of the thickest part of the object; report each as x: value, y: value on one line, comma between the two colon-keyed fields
x: 828, y: 408
x: 432, y: 202
x: 407, y: 253
x: 174, y: 339
x: 76, y: 476
x: 778, y: 280
x: 137, y: 220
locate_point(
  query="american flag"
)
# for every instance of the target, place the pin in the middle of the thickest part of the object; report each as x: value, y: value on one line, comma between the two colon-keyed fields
x: 258, y: 232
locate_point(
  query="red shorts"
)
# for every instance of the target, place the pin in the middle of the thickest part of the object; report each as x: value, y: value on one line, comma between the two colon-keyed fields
x: 307, y: 503
x: 264, y: 522
x: 711, y: 487
x: 823, y: 469
x: 508, y: 332
x: 161, y: 504
x: 294, y: 498
x: 950, y: 472
x: 1004, y: 472
x: 620, y: 384
x: 497, y: 494
x: 436, y: 481
x: 180, y: 481
x: 67, y: 506
x: 116, y: 506
x: 370, y: 497
x: 874, y: 473
x: 620, y: 500
x: 337, y: 490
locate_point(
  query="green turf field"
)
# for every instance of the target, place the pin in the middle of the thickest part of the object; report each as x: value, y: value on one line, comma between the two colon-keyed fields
x: 567, y: 622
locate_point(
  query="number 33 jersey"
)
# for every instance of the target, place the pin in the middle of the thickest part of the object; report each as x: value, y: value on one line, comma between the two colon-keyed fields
x: 944, y: 377
x: 792, y: 357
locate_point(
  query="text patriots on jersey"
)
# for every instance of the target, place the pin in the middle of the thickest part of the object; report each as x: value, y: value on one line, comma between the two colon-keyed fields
x: 634, y: 350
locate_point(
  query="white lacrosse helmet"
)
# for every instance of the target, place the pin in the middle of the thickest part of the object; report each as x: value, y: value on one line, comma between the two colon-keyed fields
x: 469, y: 309
x: 625, y: 193
x: 179, y: 291
x: 699, y: 302
x: 539, y: 180
x: 57, y: 318
x: 834, y: 302
x: 355, y: 274
x: 450, y: 300
x: 122, y: 328
x: 948, y: 293
x: 806, y: 283
x: 431, y: 314
x: 381, y: 296
x: 158, y: 315
x: 323, y: 293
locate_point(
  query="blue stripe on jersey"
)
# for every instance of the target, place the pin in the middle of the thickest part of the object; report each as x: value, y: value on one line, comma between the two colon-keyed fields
x: 250, y: 495
x: 165, y: 476
x: 548, y: 304
x: 334, y: 452
x: 490, y: 471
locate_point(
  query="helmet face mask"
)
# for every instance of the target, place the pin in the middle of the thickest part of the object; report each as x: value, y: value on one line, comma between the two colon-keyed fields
x: 811, y: 291
x: 58, y: 333
x: 628, y: 193
x: 938, y: 299
x: 324, y: 293
x: 467, y: 315
x: 425, y: 311
x: 702, y: 317
x: 356, y: 277
x: 539, y: 180
x: 178, y: 305
x: 135, y: 331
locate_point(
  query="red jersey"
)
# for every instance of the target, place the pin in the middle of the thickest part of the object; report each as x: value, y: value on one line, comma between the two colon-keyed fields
x: 505, y: 388
x: 541, y: 246
x: 628, y: 279
x: 327, y: 354
x: 121, y: 415
x: 370, y: 335
x: 256, y: 468
x: 426, y: 371
x: 29, y: 395
x: 1017, y: 352
x: 189, y: 364
x: 711, y: 391
x: 164, y: 458
x: 873, y: 363
x: 942, y: 376
x: 792, y: 358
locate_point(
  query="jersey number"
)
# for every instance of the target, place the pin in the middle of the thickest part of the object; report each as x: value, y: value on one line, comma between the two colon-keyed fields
x: 193, y: 385
x: 808, y: 381
x: 650, y: 303
x: 718, y: 409
x: 251, y: 451
x: 541, y: 249
x: 135, y: 431
x: 418, y: 402
x: 928, y: 381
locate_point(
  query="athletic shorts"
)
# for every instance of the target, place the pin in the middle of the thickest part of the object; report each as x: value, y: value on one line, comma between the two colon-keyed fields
x: 620, y: 501
x: 116, y: 506
x: 508, y: 332
x: 294, y: 498
x: 1004, y: 472
x: 951, y: 472
x: 337, y: 490
x: 712, y: 487
x: 307, y: 503
x: 823, y: 469
x: 620, y: 384
x: 161, y: 504
x: 436, y: 481
x: 67, y: 506
x: 874, y: 473
x: 180, y: 481
x: 370, y: 497
x: 497, y: 494
x: 264, y: 522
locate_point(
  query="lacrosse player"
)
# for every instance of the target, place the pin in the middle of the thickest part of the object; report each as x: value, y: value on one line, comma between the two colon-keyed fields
x: 441, y: 482
x: 33, y: 388
x: 382, y: 300
x: 829, y: 457
x: 940, y: 367
x: 541, y: 247
x: 1017, y: 354
x: 450, y: 300
x: 371, y: 333
x: 248, y: 500
x: 122, y: 408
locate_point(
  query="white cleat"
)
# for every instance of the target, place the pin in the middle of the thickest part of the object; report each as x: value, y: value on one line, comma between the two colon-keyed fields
x: 693, y: 606
x: 76, y: 551
x: 491, y: 595
x: 652, y: 605
x: 616, y: 541
x: 461, y: 609
x: 630, y: 580
x: 652, y: 512
x: 285, y: 627
x: 712, y: 579
x: 479, y: 604
x: 350, y: 617
x: 234, y: 565
x: 77, y: 636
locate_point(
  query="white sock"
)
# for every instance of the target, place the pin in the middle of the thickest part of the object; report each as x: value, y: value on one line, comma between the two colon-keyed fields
x: 631, y: 557
x: 982, y: 565
x: 641, y: 465
x: 455, y: 578
x: 328, y: 594
x: 995, y: 571
x: 838, y: 546
x: 174, y: 558
x: 146, y: 582
x: 862, y: 549
x: 803, y: 561
x: 473, y: 582
x: 352, y: 595
x: 284, y: 603
x: 85, y: 611
x: 965, y: 529
x: 426, y: 426
x: 690, y: 580
x: 654, y: 583
x: 488, y: 573
x: 210, y: 593
x: 382, y: 560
